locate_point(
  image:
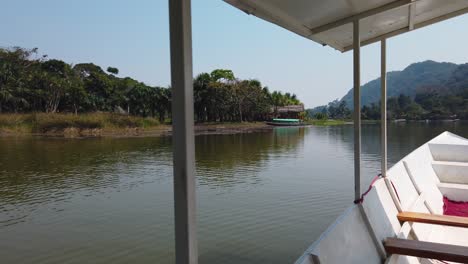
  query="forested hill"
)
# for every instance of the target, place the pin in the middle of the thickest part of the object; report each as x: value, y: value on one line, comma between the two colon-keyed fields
x: 424, y: 90
x: 406, y: 82
x: 33, y: 83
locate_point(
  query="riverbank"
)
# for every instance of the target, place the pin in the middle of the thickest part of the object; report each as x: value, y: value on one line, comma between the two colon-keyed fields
x: 107, y: 125
x: 117, y: 125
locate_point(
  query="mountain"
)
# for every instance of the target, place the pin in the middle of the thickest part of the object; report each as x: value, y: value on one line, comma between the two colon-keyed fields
x: 458, y: 81
x: 424, y: 90
x: 407, y: 82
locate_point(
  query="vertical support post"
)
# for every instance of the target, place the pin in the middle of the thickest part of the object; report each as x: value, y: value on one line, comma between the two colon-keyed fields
x: 411, y: 12
x: 383, y: 106
x: 183, y: 142
x: 357, y: 109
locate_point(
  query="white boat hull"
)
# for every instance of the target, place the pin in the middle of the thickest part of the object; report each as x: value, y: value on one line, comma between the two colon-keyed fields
x: 417, y: 183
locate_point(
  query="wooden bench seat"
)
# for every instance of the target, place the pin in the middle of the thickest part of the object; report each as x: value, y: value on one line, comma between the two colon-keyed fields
x: 427, y: 250
x: 433, y: 219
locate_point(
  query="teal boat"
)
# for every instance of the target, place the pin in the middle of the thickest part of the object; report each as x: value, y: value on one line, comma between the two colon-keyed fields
x: 284, y: 122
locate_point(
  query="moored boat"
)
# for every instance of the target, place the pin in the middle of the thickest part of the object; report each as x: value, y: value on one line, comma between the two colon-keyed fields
x: 285, y: 122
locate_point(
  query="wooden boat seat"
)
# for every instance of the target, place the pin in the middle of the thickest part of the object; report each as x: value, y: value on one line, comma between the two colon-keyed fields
x: 429, y: 250
x: 446, y: 220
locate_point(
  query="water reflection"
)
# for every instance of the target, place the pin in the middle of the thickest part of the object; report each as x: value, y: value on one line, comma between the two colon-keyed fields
x: 41, y: 171
x: 401, y: 137
x: 34, y: 171
x: 225, y: 161
x: 262, y: 197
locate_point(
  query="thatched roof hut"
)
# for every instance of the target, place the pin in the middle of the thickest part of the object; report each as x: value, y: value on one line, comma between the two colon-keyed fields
x: 288, y: 111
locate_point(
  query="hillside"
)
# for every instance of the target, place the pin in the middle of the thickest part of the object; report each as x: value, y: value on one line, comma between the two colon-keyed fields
x: 424, y: 90
x: 406, y: 82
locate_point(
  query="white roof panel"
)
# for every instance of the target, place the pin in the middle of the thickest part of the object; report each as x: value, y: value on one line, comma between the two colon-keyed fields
x: 329, y: 22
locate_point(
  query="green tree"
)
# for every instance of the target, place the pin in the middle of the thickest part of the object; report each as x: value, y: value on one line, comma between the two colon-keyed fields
x: 32, y: 83
x: 56, y: 78
x: 17, y: 71
x: 113, y: 70
x: 220, y: 74
x: 320, y: 116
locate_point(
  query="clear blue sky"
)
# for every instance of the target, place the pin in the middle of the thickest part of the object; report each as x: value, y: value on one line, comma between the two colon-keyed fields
x: 134, y: 37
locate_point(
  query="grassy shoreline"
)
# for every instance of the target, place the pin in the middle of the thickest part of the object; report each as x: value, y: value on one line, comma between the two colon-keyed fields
x: 37, y: 123
x: 116, y: 125
x: 106, y: 125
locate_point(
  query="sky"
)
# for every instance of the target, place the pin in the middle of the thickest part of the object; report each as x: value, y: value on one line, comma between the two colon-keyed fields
x: 134, y: 37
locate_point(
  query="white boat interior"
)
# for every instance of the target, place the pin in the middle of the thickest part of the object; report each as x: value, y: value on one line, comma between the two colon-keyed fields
x: 412, y: 185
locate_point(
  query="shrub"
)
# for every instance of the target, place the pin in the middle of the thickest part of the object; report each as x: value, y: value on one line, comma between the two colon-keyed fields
x: 321, y: 116
x: 12, y: 120
x: 122, y: 121
x: 150, y: 122
x: 50, y: 122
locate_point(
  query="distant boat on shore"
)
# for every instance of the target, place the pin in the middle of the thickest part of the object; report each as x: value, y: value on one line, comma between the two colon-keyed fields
x: 285, y: 122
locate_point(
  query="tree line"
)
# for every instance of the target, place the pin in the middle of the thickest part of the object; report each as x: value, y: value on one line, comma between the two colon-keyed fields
x: 425, y: 105
x: 219, y: 96
x: 33, y: 83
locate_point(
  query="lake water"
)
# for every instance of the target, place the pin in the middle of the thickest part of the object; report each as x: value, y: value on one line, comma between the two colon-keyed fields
x: 262, y: 197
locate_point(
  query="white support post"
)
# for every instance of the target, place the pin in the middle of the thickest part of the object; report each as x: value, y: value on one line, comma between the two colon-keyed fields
x: 383, y: 106
x: 183, y: 143
x: 411, y: 13
x: 357, y: 109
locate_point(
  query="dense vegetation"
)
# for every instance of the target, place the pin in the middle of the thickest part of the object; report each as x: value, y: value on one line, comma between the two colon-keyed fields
x: 33, y: 83
x: 424, y: 106
x: 431, y: 91
x: 219, y: 96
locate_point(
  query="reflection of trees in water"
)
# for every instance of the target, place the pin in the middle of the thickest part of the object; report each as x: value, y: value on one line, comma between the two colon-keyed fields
x: 227, y: 160
x: 405, y: 137
x: 402, y: 138
x: 53, y: 155
x: 38, y: 170
x: 288, y: 138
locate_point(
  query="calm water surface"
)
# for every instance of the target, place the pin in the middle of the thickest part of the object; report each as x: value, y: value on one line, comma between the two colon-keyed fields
x: 262, y: 197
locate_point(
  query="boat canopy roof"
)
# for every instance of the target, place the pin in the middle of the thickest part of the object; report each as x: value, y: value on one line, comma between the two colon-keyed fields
x: 330, y: 22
